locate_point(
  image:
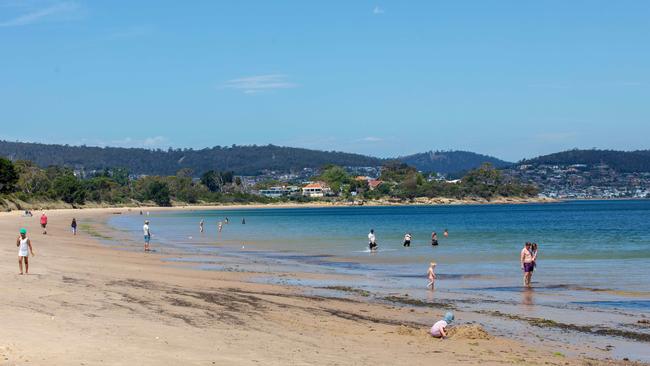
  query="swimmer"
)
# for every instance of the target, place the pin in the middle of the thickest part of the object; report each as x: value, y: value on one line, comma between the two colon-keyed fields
x: 201, y: 226
x: 446, y: 233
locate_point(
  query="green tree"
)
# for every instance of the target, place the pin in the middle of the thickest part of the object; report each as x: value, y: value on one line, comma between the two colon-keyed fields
x: 335, y: 177
x: 68, y: 189
x: 158, y: 192
x: 212, y: 180
x: 8, y: 176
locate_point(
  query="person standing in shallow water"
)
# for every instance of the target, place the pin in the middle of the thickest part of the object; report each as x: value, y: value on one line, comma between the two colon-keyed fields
x: 434, y: 238
x: 527, y: 263
x: 407, y: 240
x: 201, y: 226
x: 372, y: 240
x: 147, y: 235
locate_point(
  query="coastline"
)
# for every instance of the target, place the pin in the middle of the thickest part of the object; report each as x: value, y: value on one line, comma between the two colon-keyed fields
x: 422, y: 201
x: 83, y: 300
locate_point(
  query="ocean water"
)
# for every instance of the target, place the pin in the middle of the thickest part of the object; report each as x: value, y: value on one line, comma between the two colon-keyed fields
x: 593, y: 265
x: 594, y: 244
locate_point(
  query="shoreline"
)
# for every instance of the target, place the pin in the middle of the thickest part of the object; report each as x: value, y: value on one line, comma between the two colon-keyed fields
x: 99, y: 299
x: 60, y: 206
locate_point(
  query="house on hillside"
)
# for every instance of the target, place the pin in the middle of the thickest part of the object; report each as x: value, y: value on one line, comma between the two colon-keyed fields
x: 374, y: 183
x: 275, y: 192
x: 316, y: 189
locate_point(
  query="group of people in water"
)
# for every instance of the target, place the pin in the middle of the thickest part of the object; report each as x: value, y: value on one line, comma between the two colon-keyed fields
x: 408, y: 237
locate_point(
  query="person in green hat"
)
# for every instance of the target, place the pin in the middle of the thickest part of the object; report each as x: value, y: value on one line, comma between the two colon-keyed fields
x: 24, y: 248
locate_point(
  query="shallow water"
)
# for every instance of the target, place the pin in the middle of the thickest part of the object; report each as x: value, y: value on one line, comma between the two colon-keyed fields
x: 594, y: 256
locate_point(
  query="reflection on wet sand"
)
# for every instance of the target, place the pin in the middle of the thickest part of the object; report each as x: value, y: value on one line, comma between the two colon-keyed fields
x: 527, y: 296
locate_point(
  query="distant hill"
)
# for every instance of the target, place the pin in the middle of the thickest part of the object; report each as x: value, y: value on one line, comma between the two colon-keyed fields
x: 621, y: 161
x: 447, y: 162
x: 246, y: 160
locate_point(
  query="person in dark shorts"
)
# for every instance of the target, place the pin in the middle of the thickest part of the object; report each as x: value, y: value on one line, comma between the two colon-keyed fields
x: 527, y: 260
x: 407, y: 240
x: 434, y: 238
x: 372, y: 240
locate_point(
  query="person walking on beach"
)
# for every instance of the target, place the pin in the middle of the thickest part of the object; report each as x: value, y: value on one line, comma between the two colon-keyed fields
x: 527, y: 263
x: 44, y: 223
x: 372, y: 240
x: 73, y: 225
x: 147, y: 235
x: 407, y: 240
x: 434, y: 238
x: 24, y: 245
x: 201, y: 226
x: 432, y: 275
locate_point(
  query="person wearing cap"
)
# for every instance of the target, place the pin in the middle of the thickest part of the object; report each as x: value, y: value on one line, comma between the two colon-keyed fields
x: 147, y: 235
x: 438, y: 330
x: 24, y: 247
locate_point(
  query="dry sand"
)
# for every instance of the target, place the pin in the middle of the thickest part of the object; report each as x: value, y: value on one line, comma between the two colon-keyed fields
x: 85, y: 304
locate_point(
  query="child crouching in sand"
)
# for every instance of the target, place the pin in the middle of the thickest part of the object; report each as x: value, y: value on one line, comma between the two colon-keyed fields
x: 432, y: 275
x: 438, y: 330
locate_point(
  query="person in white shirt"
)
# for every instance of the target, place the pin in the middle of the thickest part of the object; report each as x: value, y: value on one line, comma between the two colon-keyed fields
x: 372, y: 240
x: 147, y: 235
x: 407, y: 240
x: 438, y: 330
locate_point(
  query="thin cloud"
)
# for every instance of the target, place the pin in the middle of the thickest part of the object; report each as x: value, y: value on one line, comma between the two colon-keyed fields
x: 154, y: 141
x: 131, y: 32
x: 378, y: 11
x: 260, y: 83
x: 147, y: 142
x: 58, y: 11
x: 371, y: 139
x: 558, y: 136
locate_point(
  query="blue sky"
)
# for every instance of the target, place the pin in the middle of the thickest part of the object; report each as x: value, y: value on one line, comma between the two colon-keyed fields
x: 512, y: 79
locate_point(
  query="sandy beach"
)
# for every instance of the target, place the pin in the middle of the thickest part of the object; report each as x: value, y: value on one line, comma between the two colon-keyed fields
x: 86, y: 304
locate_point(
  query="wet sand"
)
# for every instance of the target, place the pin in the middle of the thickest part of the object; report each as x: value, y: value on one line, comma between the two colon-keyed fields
x: 84, y: 303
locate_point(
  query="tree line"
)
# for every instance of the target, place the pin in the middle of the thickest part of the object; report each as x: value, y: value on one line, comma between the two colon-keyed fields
x: 405, y: 182
x: 27, y: 182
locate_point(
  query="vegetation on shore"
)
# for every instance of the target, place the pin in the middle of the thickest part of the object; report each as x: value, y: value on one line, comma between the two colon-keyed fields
x: 22, y: 183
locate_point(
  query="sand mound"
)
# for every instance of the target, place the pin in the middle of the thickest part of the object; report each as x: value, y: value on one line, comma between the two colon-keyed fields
x: 468, y: 332
x: 404, y: 330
